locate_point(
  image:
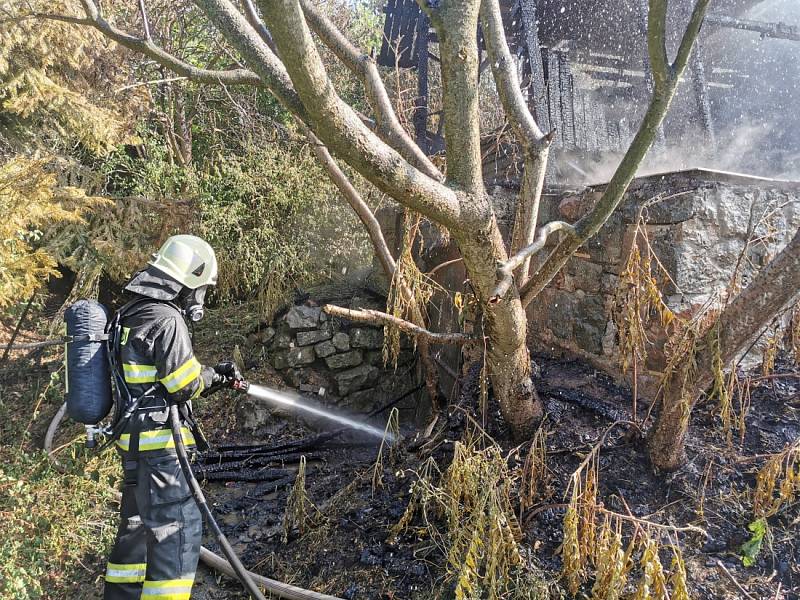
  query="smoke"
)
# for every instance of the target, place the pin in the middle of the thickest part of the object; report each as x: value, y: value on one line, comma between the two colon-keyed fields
x: 754, y: 97
x: 760, y: 125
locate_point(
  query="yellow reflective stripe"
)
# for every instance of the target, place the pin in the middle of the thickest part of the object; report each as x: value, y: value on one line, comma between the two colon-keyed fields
x: 172, y: 589
x: 182, y: 376
x: 119, y: 573
x: 199, y: 390
x: 159, y: 439
x: 139, y: 373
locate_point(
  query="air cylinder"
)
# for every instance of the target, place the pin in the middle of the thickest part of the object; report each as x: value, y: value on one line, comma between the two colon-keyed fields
x: 88, y: 383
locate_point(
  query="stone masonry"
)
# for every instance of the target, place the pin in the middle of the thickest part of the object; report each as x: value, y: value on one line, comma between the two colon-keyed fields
x: 340, y: 362
x: 697, y: 222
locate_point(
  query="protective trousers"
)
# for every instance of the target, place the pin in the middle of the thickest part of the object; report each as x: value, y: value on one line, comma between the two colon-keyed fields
x: 158, y: 542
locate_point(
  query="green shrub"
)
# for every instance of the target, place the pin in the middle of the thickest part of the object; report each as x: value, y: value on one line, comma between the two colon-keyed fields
x: 52, y: 522
x: 270, y: 212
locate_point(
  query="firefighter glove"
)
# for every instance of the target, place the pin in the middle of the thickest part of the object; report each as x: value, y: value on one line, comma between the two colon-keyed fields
x: 227, y: 373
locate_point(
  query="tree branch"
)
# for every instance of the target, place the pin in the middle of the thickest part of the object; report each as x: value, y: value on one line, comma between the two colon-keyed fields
x: 145, y: 20
x: 356, y: 202
x: 504, y: 71
x: 657, y: 41
x: 505, y: 272
x: 151, y: 50
x: 456, y: 24
x: 666, y: 79
x: 257, y: 24
x: 773, y: 290
x: 692, y: 31
x: 375, y: 316
x: 338, y: 125
x: 255, y: 51
x: 526, y: 217
x: 535, y: 143
x: 364, y: 67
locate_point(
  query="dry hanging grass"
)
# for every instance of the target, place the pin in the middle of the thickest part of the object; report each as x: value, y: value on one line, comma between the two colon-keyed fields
x: 771, y: 351
x: 534, y: 472
x: 481, y: 534
x: 410, y: 288
x: 301, y: 513
x: 612, y: 562
x: 778, y: 482
x: 638, y: 298
x: 391, y: 434
x: 794, y: 334
x: 594, y: 545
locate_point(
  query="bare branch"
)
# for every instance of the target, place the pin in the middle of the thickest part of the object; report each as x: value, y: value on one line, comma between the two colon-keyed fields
x: 666, y: 78
x: 530, y: 197
x: 505, y: 272
x: 356, y: 202
x: 505, y: 75
x: 256, y: 23
x: 340, y: 127
x: 145, y: 21
x: 456, y: 24
x: 255, y: 51
x: 151, y: 50
x: 657, y: 41
x: 690, y: 35
x: 364, y: 67
x: 385, y: 257
x: 535, y: 144
x: 375, y: 316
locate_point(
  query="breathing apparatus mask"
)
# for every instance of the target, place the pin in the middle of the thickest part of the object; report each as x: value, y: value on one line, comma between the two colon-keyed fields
x: 192, y: 303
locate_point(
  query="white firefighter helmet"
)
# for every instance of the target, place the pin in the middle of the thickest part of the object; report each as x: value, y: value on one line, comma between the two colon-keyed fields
x: 188, y: 259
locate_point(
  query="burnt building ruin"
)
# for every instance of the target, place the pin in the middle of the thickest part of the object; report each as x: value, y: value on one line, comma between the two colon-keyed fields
x: 585, y: 71
x: 584, y: 68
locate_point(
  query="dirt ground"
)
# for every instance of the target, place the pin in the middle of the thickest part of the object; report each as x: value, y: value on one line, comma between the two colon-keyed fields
x: 351, y: 555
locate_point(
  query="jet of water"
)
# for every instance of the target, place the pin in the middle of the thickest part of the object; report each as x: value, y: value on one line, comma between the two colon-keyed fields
x: 293, y: 401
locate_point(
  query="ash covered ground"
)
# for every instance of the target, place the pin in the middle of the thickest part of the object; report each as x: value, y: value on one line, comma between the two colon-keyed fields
x: 351, y: 553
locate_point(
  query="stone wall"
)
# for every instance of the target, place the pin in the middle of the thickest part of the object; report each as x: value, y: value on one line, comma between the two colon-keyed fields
x: 697, y: 222
x: 340, y: 362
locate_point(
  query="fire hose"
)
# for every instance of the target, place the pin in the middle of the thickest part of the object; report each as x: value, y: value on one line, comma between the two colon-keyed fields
x: 233, y: 566
x: 200, y: 499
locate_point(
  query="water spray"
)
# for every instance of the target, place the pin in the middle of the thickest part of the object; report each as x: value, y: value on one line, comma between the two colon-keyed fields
x: 295, y: 402
x: 281, y: 399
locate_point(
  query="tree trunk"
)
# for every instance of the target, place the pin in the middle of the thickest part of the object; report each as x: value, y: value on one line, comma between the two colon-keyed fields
x: 774, y: 289
x: 505, y: 326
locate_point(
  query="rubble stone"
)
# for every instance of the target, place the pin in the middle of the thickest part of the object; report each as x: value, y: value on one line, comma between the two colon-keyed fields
x: 344, y: 360
x: 303, y: 317
x: 300, y: 356
x: 325, y: 348
x: 341, y: 341
x: 307, y: 338
x: 356, y: 379
x: 279, y: 361
x: 282, y: 341
x: 366, y: 338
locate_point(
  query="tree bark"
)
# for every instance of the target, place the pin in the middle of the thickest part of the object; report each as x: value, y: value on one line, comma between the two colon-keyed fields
x: 505, y: 325
x: 774, y: 289
x: 456, y: 25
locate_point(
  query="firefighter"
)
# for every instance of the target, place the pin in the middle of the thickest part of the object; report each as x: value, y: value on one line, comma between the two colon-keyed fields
x: 158, y: 542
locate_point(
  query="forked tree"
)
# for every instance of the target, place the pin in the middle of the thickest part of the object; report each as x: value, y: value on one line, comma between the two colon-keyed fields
x: 277, y: 41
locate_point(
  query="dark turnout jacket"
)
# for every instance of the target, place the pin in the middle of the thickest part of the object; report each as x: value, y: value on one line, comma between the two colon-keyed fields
x: 156, y: 349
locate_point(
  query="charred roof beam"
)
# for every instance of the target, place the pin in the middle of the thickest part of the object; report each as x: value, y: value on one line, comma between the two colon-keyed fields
x: 780, y: 31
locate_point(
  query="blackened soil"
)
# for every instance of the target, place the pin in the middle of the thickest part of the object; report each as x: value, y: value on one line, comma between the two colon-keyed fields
x: 350, y: 555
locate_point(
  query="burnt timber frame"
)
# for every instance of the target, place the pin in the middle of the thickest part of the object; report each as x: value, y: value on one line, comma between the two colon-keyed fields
x: 546, y: 71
